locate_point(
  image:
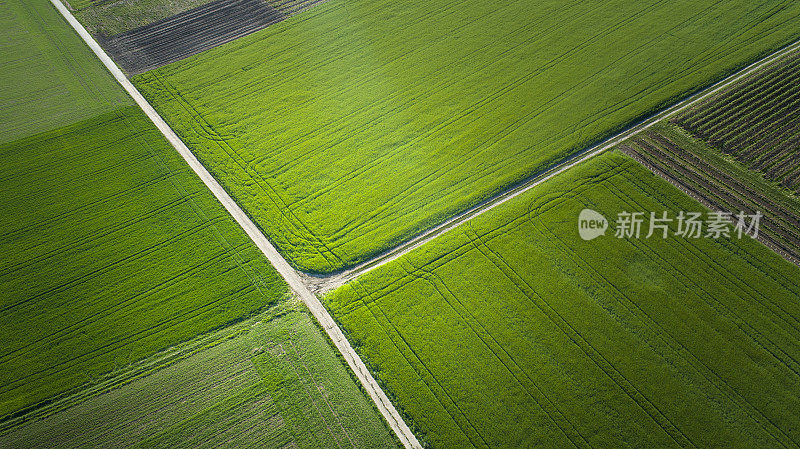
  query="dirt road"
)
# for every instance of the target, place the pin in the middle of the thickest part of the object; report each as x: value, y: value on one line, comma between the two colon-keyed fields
x: 302, y: 284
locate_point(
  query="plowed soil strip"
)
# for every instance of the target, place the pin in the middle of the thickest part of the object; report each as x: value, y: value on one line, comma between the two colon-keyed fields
x: 689, y: 174
x: 188, y: 33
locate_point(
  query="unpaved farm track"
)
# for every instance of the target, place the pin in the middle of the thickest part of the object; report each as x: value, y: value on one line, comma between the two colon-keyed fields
x: 291, y: 277
x: 188, y: 33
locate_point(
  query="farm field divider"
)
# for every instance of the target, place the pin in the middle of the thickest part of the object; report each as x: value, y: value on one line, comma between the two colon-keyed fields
x: 292, y: 278
x: 271, y: 380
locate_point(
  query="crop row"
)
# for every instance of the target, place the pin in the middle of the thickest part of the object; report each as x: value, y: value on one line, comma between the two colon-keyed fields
x: 512, y: 330
x: 757, y: 88
x: 714, y: 187
x: 756, y: 121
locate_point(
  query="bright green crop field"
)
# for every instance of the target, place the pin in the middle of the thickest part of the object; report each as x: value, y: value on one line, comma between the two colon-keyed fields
x: 111, y: 248
x: 347, y: 129
x: 512, y: 331
x: 270, y: 381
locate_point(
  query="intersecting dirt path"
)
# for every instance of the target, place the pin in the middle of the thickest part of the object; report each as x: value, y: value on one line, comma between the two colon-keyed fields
x: 288, y: 273
x: 303, y: 284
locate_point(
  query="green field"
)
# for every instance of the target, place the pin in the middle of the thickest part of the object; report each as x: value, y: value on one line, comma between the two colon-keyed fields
x: 512, y: 331
x: 49, y: 79
x: 270, y: 381
x: 135, y: 312
x: 112, y: 249
x: 347, y: 129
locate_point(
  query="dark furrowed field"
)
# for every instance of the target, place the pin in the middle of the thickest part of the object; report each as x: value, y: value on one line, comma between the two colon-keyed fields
x: 347, y: 129
x: 756, y: 121
x: 188, y: 33
x: 111, y: 248
x: 512, y: 331
x: 720, y: 184
x: 141, y: 35
x: 116, y: 17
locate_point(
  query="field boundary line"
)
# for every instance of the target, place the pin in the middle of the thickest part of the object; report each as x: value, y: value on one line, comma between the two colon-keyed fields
x: 324, y: 284
x: 288, y: 273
